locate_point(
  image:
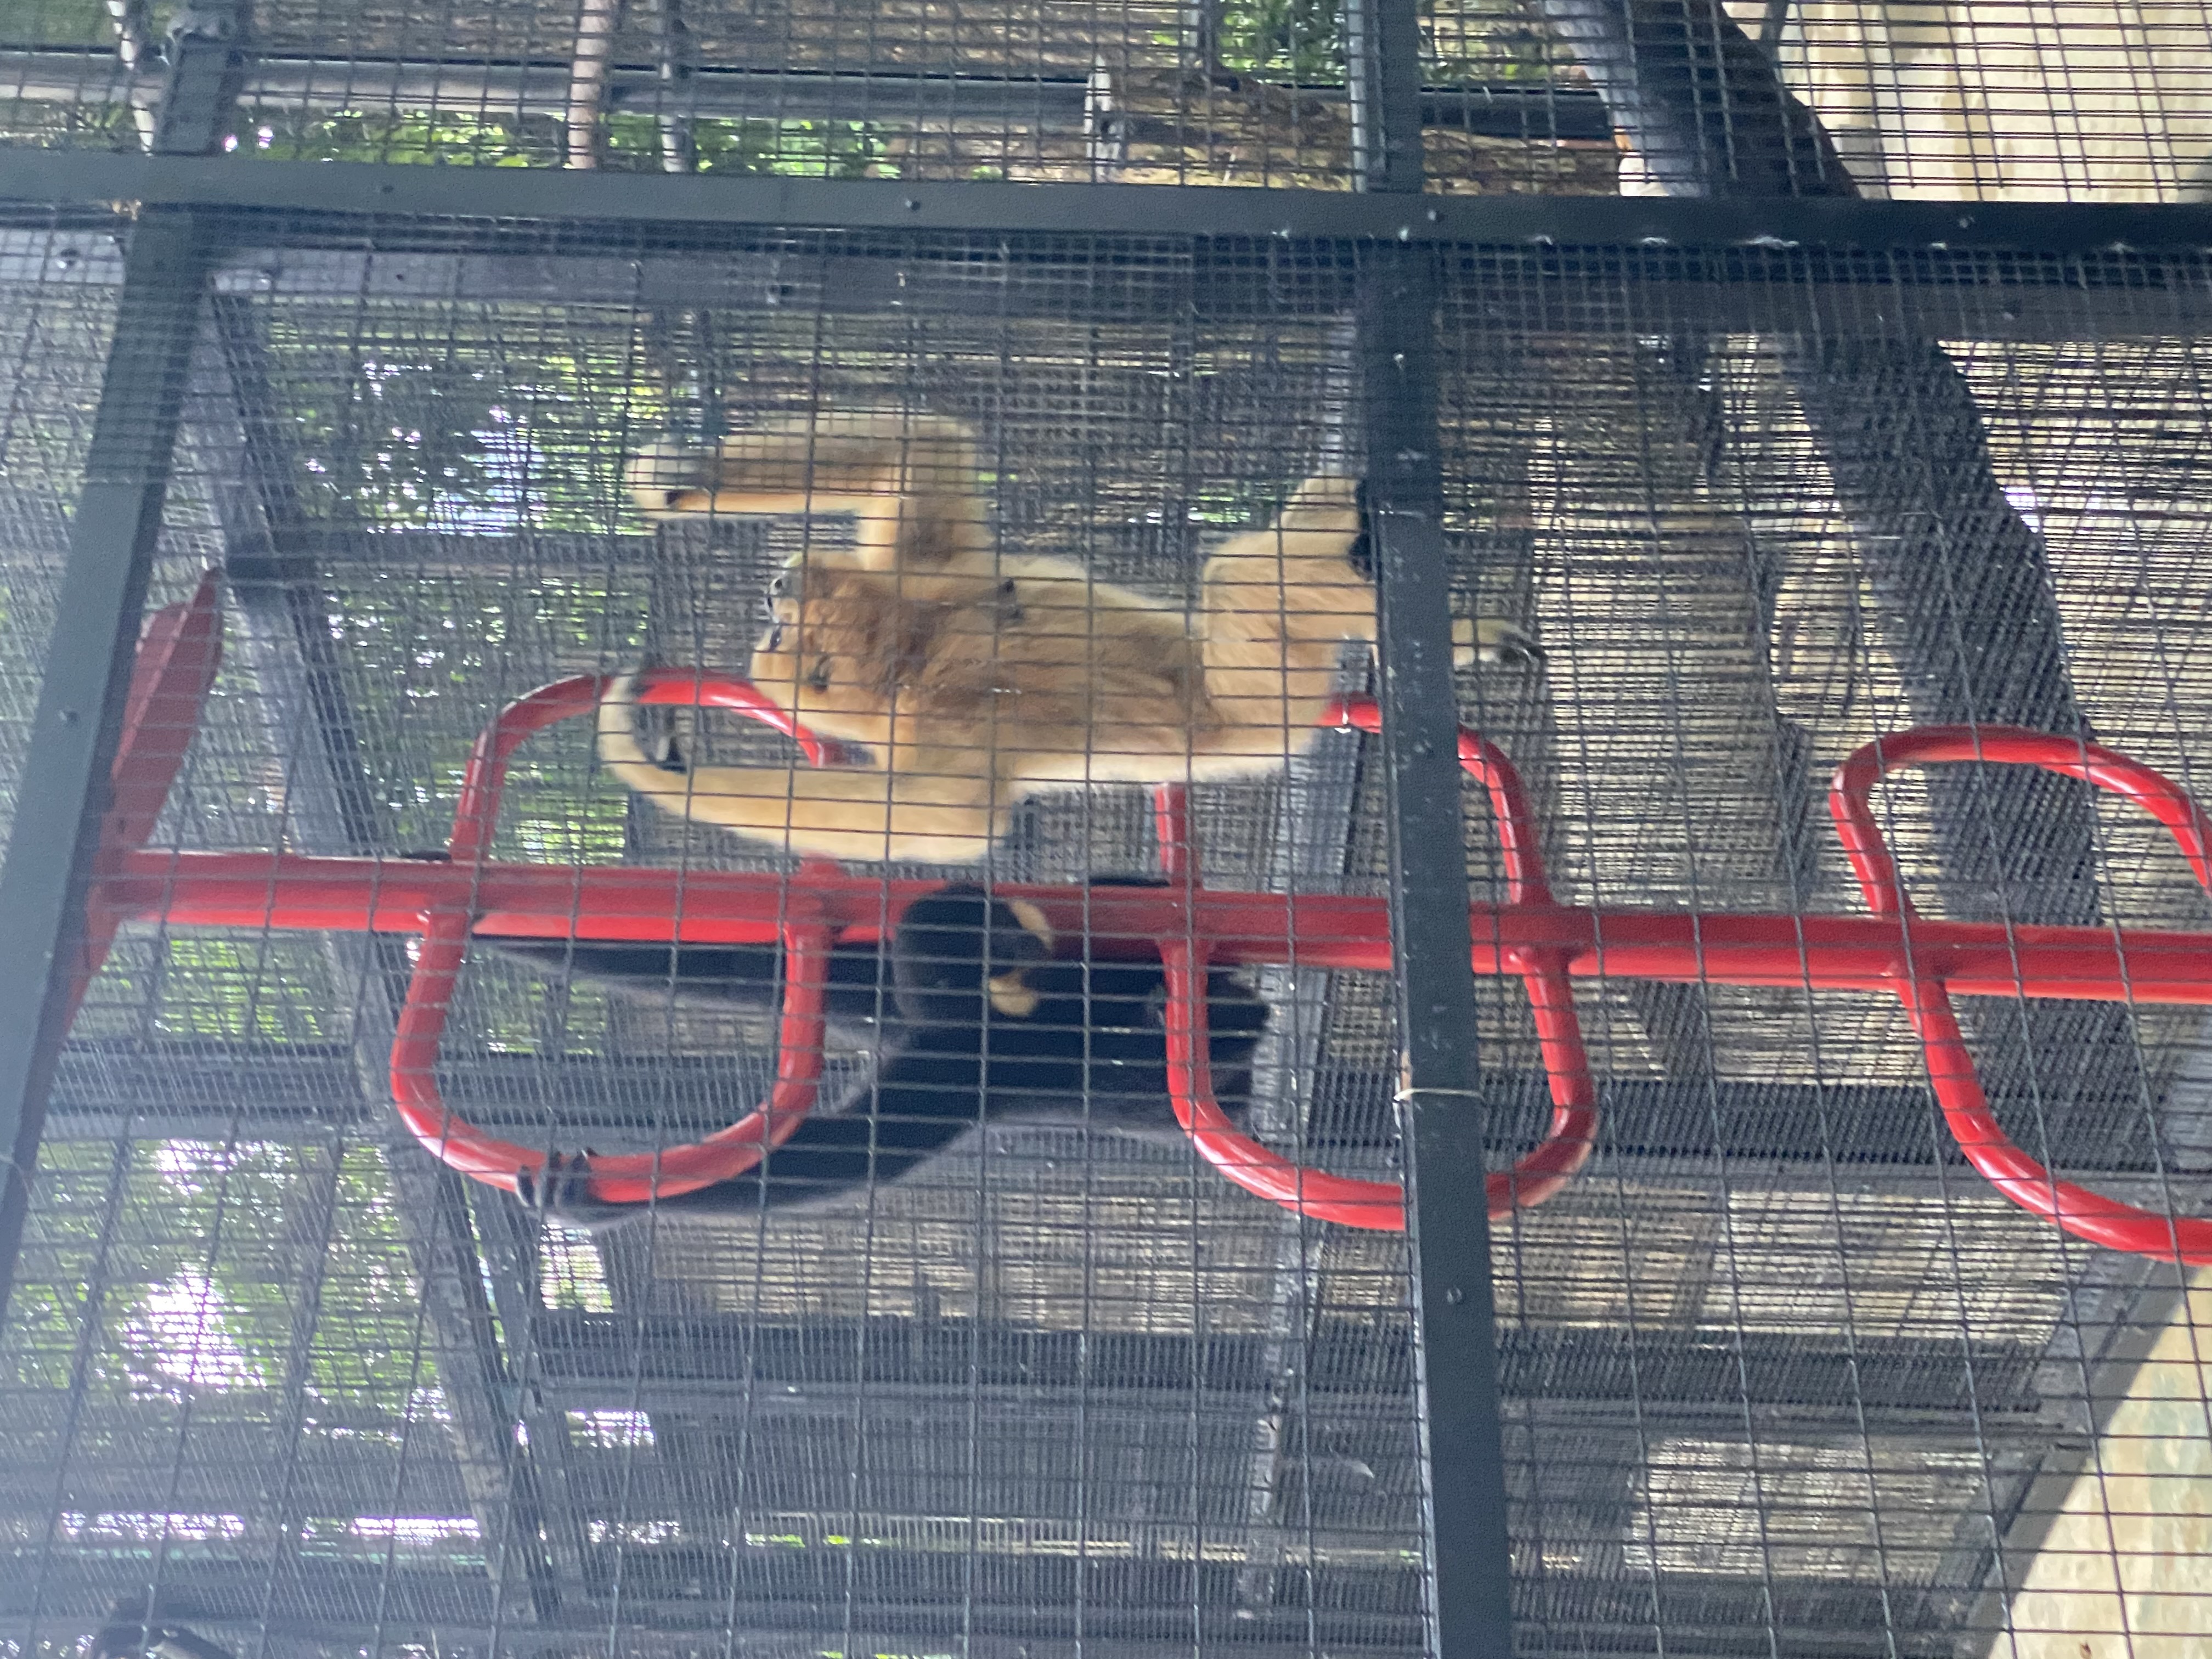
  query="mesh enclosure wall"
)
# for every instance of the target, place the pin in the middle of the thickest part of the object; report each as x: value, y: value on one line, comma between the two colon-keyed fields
x: 2091, y: 101
x: 1782, y: 1374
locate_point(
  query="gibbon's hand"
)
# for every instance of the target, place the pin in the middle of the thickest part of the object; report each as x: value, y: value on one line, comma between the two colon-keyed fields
x: 1493, y: 643
x: 1489, y: 641
x: 561, y: 1193
x: 959, y: 949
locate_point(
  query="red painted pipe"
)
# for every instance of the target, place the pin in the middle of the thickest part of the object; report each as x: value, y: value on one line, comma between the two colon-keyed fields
x: 625, y: 1178
x: 706, y: 907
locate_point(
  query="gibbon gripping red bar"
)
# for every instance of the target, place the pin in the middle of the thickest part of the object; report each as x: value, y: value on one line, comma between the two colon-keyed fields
x: 1545, y: 943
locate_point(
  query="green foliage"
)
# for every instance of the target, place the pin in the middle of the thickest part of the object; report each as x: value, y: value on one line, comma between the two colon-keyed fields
x: 38, y: 125
x: 237, y: 989
x: 64, y: 23
x: 805, y: 150
x: 415, y: 136
x: 416, y: 424
x: 1464, y: 43
x: 184, y: 1271
x: 799, y: 149
x: 1296, y: 41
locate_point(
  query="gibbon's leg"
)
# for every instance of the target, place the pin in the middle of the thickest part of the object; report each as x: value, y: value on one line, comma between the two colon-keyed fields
x: 1276, y: 604
x: 939, y: 808
x: 1091, y: 1049
x: 910, y: 483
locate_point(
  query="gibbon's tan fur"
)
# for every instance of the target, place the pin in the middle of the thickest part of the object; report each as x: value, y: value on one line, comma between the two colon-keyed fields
x: 976, y: 678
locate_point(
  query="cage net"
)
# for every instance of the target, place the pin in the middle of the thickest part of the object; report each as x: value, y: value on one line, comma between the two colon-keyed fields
x: 2083, y: 101
x: 1780, y: 1373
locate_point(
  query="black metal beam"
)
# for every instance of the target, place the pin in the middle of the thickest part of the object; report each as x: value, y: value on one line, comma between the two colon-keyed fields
x: 1525, y: 294
x: 1877, y: 1137
x: 677, y: 1627
x: 63, y: 788
x: 1442, y: 1114
x: 206, y: 66
x: 49, y: 176
x: 282, y: 83
x: 1719, y: 1615
x: 1468, y: 1582
x: 1528, y: 294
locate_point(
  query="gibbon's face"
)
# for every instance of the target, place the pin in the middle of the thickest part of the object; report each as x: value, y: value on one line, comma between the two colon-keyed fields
x: 843, y: 646
x: 825, y: 651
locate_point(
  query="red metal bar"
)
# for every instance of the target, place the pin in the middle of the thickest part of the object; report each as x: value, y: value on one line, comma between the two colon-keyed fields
x: 178, y: 654
x: 1172, y: 828
x: 703, y: 907
x: 625, y: 1178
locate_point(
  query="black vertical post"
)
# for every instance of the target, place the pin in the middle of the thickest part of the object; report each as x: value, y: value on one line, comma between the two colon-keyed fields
x: 62, y: 791
x: 1382, y: 65
x: 1464, y: 1466
x: 64, y: 788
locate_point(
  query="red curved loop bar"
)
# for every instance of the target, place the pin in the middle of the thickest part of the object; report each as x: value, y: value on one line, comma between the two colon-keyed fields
x: 1927, y: 997
x: 629, y: 1178
x: 1380, y: 1206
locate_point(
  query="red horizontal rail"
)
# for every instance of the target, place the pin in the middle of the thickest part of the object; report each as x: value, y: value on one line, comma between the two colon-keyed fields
x: 694, y: 906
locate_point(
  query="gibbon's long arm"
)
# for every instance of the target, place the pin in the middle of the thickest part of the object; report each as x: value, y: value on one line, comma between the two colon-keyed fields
x: 911, y: 483
x: 988, y: 1029
x: 858, y: 990
x: 1277, y: 605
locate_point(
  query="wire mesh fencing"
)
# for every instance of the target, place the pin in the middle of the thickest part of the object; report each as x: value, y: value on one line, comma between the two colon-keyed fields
x: 1782, y: 1373
x: 2084, y: 102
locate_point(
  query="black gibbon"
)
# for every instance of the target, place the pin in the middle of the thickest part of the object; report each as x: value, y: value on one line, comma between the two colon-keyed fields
x: 131, y: 1633
x: 975, y: 678
x: 975, y: 1021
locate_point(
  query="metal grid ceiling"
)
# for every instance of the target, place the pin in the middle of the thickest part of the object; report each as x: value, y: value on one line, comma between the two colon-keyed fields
x: 1780, y: 1377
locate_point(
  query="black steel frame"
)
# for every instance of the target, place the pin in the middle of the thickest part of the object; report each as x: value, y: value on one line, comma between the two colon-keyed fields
x: 171, y: 253
x: 97, y: 179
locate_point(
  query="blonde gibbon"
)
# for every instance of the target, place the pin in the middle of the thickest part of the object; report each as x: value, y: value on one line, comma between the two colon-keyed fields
x: 975, y: 678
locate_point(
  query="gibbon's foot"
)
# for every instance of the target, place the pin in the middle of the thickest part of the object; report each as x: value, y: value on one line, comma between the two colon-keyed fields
x: 1483, y: 640
x: 656, y: 735
x: 670, y: 476
x: 1493, y: 643
x: 561, y: 1193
